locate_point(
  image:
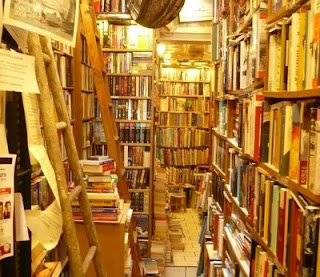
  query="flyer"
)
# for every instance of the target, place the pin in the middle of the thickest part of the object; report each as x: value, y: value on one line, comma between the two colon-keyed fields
x: 7, y: 168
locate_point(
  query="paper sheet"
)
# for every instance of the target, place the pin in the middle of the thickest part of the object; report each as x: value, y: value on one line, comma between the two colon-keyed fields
x: 17, y: 72
x: 7, y: 168
x: 46, y: 226
x: 20, y: 219
x: 3, y: 135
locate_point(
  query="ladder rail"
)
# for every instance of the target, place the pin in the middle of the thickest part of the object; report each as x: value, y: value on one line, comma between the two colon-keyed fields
x: 54, y: 153
x: 73, y: 158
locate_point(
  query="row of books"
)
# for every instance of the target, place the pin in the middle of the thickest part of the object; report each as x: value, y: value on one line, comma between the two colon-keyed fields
x: 100, y: 149
x: 183, y: 157
x: 134, y: 132
x: 218, y: 153
x: 218, y: 189
x: 222, y: 118
x: 178, y: 88
x: 189, y: 74
x: 64, y: 66
x: 138, y: 178
x: 184, y: 120
x: 132, y: 109
x: 290, y: 140
x: 181, y: 175
x: 130, y: 62
x: 136, y: 156
x: 279, y: 215
x: 181, y: 104
x: 64, y: 48
x: 113, y: 6
x: 130, y: 85
x: 41, y: 194
x: 99, y: 135
x: 139, y: 201
x: 182, y: 137
x: 124, y: 36
x: 86, y: 78
x: 88, y: 108
x: 297, y: 39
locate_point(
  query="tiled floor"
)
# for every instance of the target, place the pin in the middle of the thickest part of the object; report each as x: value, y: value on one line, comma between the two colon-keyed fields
x: 189, y: 257
x: 181, y: 271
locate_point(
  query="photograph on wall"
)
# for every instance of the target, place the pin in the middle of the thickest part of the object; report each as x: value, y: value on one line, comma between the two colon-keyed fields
x: 194, y: 11
x: 57, y: 19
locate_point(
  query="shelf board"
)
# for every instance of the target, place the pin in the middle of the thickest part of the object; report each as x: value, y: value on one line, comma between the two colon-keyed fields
x: 88, y: 119
x: 136, y: 167
x: 185, y: 96
x: 218, y: 135
x: 255, y: 85
x: 124, y: 50
x: 285, y: 11
x: 59, y: 52
x: 87, y: 91
x: 186, y: 127
x: 143, y: 236
x: 233, y: 144
x: 129, y: 74
x: 292, y: 184
x: 244, y: 267
x: 86, y: 147
x: 67, y: 88
x: 131, y: 97
x: 86, y: 64
x: 185, y: 112
x: 245, y: 24
x: 113, y: 15
x: 139, y: 190
x: 145, y: 213
x: 135, y: 144
x: 182, y: 166
x: 184, y: 147
x: 309, y: 93
x: 242, y: 211
x: 219, y: 171
x: 132, y: 120
x: 181, y: 81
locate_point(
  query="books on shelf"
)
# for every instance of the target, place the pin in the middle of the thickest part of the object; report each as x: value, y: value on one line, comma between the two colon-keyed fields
x: 109, y: 6
x: 132, y: 109
x: 138, y: 178
x: 182, y: 137
x: 136, y: 156
x: 86, y: 78
x: 170, y: 104
x: 218, y: 153
x: 130, y: 85
x: 189, y: 74
x: 183, y: 89
x: 64, y: 66
x: 139, y: 201
x: 192, y: 119
x: 124, y: 36
x: 131, y: 132
x: 142, y: 224
x: 88, y: 105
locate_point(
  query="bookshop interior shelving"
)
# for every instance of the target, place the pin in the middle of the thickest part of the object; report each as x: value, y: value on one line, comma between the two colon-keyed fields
x: 239, y: 123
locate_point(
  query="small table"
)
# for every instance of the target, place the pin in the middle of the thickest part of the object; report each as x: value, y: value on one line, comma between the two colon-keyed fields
x: 187, y: 187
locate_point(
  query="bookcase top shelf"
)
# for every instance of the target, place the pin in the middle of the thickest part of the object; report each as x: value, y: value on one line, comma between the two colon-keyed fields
x: 219, y: 171
x: 125, y: 50
x: 310, y: 93
x: 129, y: 74
x: 182, y: 81
x: 286, y: 11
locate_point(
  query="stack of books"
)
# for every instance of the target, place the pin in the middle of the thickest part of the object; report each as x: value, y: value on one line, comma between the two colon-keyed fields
x: 101, y: 186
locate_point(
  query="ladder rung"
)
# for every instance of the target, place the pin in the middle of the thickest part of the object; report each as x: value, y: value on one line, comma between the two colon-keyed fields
x: 61, y: 125
x: 74, y: 193
x: 116, y: 138
x: 110, y: 105
x: 46, y: 58
x: 88, y: 258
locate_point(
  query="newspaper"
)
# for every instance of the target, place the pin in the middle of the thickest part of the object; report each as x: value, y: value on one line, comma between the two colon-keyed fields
x: 57, y: 19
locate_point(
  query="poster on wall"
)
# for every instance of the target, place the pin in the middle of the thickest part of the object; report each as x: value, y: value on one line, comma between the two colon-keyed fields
x: 194, y: 11
x: 57, y: 19
x: 7, y: 167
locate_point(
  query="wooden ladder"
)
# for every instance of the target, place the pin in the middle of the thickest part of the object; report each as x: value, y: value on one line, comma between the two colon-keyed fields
x: 48, y: 80
x: 106, y: 107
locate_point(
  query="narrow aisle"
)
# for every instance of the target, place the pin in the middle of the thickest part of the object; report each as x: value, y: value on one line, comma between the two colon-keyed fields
x: 191, y: 227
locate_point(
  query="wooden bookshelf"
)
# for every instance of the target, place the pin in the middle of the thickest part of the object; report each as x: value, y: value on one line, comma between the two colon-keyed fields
x: 125, y: 50
x: 251, y: 153
x: 183, y: 81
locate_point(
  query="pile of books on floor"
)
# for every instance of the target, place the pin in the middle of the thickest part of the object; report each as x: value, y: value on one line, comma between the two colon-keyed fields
x: 150, y: 268
x: 175, y: 234
x: 101, y: 186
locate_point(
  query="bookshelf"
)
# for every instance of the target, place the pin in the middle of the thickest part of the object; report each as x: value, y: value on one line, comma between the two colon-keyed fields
x: 183, y: 137
x: 265, y: 108
x: 128, y: 56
